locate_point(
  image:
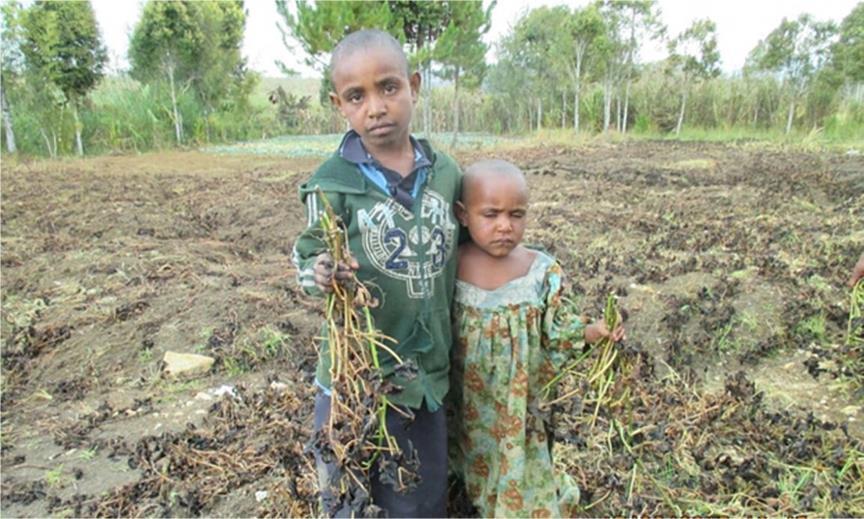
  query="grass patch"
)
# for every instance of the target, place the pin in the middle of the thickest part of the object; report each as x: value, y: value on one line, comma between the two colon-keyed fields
x: 88, y: 454
x: 54, y: 477
x: 248, y: 352
x: 321, y: 146
x: 812, y: 328
x: 795, y: 140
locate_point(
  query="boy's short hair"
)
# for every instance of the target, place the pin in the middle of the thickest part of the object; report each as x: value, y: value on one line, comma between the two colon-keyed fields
x: 364, y: 39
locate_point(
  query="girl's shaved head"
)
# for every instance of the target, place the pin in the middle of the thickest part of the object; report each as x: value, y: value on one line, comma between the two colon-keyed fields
x: 490, y: 170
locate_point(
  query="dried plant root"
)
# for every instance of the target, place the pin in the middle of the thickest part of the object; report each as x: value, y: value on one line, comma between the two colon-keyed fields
x: 356, y: 437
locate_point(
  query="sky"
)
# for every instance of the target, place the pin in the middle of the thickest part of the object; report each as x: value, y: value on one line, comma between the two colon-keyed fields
x: 740, y: 26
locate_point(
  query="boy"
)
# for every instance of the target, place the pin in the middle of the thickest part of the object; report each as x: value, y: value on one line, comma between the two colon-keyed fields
x: 395, y: 196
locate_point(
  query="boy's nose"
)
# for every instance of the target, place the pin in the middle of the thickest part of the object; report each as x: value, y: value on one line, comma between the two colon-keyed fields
x: 377, y: 107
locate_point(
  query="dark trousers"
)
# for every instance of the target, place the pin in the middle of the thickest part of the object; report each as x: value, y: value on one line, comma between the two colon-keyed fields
x: 428, y: 433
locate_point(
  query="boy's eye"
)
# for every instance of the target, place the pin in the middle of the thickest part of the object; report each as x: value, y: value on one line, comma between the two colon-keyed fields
x: 390, y: 88
x: 354, y: 98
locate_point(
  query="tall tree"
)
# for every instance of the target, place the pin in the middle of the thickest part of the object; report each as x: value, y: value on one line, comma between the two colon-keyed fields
x: 528, y: 49
x: 509, y: 87
x: 639, y: 21
x: 796, y: 51
x: 318, y: 27
x: 422, y: 25
x: 611, y: 48
x: 191, y: 45
x: 847, y: 53
x: 693, y: 55
x: 221, y: 77
x: 165, y: 45
x: 12, y: 64
x: 582, y: 28
x: 461, y: 50
x: 62, y: 42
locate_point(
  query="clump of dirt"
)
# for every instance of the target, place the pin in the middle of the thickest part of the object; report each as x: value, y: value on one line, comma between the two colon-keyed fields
x: 727, y: 260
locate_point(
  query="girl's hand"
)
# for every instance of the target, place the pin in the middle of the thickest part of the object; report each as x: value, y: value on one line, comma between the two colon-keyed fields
x: 598, y: 331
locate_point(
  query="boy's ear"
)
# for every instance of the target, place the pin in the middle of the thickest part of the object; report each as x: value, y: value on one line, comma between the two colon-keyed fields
x: 336, y: 101
x: 461, y: 213
x: 414, y: 81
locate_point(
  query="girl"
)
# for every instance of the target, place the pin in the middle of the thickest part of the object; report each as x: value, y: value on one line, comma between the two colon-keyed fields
x: 512, y: 337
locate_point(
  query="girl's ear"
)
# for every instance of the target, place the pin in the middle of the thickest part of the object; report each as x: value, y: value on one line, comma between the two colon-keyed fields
x: 461, y: 213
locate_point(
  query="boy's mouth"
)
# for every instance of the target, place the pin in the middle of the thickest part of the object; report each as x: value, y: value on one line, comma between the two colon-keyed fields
x: 381, y: 129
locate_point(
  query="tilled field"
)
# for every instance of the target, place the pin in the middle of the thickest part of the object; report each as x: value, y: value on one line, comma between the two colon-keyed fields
x: 730, y: 262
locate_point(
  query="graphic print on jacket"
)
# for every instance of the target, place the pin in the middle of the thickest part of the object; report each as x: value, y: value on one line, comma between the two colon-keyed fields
x: 417, y: 256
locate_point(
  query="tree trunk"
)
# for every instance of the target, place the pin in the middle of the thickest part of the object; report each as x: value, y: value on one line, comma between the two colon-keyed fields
x: 427, y: 106
x: 47, y: 142
x: 79, y: 146
x: 563, y: 109
x: 681, y: 113
x: 539, y: 114
x: 7, y: 123
x: 576, y: 112
x: 630, y: 51
x: 607, y: 104
x: 52, y: 150
x: 178, y: 126
x: 455, y: 106
x: 626, y: 106
x: 618, y: 112
x: 789, y: 117
x: 578, y: 89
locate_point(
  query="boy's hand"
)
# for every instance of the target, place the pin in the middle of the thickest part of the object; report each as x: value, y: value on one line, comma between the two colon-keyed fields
x: 325, y: 275
x: 857, y: 271
x: 595, y: 332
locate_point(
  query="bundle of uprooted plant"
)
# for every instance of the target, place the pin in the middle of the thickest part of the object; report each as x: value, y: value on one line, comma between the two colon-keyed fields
x: 855, y: 335
x: 356, y: 437
x: 599, y: 385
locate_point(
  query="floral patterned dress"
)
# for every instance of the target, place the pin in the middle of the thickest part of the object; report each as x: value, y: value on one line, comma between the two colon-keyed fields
x: 510, y: 342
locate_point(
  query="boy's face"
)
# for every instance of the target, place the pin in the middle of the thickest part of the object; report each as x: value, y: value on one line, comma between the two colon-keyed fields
x: 375, y: 94
x: 494, y: 210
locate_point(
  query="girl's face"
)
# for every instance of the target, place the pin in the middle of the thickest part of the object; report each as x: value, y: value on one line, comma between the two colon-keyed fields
x: 494, y: 210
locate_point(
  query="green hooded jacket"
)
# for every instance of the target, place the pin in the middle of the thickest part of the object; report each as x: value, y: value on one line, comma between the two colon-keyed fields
x: 407, y: 259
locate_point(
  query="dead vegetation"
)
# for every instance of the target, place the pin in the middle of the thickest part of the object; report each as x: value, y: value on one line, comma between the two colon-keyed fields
x: 743, y: 397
